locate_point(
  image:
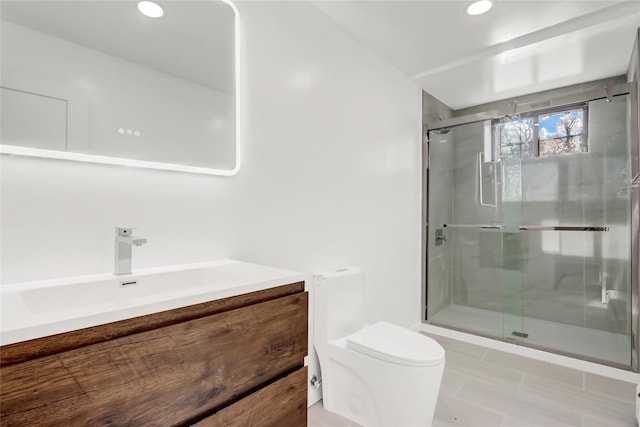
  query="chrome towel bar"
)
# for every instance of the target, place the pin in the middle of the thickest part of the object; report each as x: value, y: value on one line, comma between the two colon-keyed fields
x: 560, y: 228
x: 530, y: 227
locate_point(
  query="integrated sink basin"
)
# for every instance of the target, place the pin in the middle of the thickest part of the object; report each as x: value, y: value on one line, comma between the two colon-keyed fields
x: 35, y: 309
x: 122, y: 289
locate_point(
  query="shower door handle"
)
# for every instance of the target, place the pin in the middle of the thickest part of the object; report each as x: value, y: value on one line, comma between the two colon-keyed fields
x: 481, y: 182
x: 481, y: 226
x: 561, y: 228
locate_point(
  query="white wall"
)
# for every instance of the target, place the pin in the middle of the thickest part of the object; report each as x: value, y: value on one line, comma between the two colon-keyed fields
x: 330, y: 177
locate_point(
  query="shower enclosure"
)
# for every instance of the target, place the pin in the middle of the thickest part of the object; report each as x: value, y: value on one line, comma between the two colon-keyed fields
x: 529, y: 226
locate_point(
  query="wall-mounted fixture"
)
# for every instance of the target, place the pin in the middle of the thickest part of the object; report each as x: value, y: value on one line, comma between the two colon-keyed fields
x: 172, y: 93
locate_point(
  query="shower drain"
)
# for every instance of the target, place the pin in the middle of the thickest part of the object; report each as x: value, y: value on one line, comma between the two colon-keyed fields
x: 519, y: 334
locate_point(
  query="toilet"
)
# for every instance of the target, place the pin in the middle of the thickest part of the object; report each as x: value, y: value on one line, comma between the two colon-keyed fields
x: 375, y: 375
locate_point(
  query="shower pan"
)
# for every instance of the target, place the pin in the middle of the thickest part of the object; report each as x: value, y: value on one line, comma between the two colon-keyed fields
x: 530, y: 226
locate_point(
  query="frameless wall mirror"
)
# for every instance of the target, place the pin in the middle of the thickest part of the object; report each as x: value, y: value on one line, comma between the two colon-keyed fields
x: 101, y: 81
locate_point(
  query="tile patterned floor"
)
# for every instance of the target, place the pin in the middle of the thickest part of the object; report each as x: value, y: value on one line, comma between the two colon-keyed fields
x: 483, y: 387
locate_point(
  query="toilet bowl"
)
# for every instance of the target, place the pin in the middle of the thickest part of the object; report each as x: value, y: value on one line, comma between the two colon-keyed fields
x: 375, y: 375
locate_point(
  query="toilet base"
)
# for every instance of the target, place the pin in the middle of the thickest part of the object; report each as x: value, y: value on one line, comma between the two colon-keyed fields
x: 373, y: 392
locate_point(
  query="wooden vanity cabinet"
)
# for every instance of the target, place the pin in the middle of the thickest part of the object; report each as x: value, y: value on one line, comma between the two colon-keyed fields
x: 238, y: 361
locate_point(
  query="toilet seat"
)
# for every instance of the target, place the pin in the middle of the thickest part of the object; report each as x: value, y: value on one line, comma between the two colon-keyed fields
x: 391, y: 343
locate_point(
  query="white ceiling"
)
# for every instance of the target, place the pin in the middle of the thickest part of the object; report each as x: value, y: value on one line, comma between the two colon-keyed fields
x: 194, y: 40
x: 518, y: 47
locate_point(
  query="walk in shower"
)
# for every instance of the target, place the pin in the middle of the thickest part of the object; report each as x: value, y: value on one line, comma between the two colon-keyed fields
x: 529, y: 226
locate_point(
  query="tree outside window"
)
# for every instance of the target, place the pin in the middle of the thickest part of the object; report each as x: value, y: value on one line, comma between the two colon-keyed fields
x: 561, y: 133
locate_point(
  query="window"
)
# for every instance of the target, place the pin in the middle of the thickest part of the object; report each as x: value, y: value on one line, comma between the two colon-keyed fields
x: 551, y: 133
x: 516, y: 138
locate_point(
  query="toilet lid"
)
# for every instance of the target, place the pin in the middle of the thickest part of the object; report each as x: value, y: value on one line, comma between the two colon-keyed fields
x: 394, y: 344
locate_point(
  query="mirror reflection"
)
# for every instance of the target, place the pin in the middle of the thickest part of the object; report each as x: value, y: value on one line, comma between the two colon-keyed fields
x: 101, y: 78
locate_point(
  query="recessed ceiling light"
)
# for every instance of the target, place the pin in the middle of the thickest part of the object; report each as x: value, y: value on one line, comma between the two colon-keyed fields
x: 150, y: 9
x: 479, y: 7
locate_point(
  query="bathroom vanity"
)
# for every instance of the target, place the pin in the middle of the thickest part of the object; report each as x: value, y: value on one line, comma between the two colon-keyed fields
x: 232, y: 360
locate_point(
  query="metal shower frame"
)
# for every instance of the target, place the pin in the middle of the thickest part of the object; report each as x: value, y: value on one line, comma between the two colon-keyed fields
x: 513, y: 109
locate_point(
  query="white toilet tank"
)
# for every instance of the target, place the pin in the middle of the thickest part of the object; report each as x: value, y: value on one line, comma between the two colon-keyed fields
x: 338, y: 303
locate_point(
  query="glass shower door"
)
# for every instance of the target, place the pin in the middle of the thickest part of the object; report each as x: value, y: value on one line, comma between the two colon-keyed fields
x: 512, y: 246
x: 576, y: 215
x: 468, y: 243
x: 529, y: 230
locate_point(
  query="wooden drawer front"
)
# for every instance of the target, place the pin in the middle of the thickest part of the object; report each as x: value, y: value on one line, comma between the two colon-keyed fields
x: 165, y: 376
x: 283, y: 403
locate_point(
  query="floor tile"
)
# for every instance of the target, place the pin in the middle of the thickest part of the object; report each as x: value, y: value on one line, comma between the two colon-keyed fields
x: 317, y: 416
x: 452, y: 411
x: 524, y: 407
x: 482, y: 372
x: 589, y: 421
x: 452, y: 380
x: 539, y: 368
x: 586, y: 403
x: 610, y: 387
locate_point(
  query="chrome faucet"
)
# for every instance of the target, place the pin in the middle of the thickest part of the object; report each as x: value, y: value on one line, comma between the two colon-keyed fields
x: 124, y: 241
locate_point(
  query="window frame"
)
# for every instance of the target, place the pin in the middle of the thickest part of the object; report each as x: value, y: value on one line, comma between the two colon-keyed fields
x: 535, y: 142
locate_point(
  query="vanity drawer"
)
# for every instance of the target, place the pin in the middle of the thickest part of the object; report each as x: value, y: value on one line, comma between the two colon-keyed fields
x: 170, y: 375
x: 283, y: 403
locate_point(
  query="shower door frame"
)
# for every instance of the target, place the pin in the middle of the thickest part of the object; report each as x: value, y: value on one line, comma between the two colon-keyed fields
x: 607, y: 91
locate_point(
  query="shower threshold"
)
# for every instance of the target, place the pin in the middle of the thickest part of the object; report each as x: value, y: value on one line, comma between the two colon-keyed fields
x: 585, y: 343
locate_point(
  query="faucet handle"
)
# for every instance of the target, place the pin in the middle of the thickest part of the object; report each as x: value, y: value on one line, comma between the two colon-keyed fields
x: 125, y: 231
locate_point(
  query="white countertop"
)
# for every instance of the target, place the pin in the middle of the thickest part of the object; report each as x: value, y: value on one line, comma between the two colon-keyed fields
x: 36, y: 309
